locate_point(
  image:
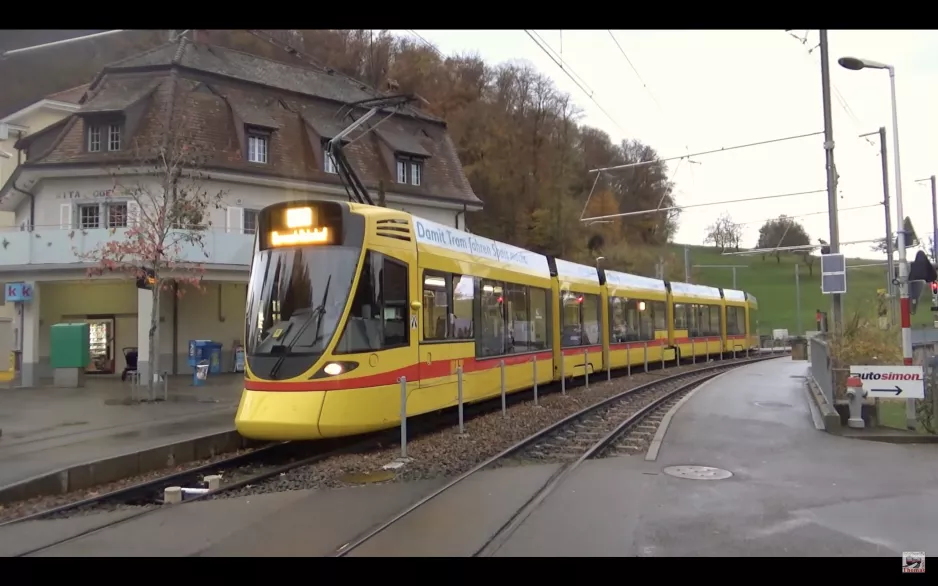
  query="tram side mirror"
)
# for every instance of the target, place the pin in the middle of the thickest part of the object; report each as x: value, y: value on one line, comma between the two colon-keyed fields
x: 416, y: 305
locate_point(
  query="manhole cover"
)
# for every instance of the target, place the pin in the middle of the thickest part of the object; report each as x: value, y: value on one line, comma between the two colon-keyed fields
x: 698, y: 472
x: 770, y: 404
x: 367, y: 477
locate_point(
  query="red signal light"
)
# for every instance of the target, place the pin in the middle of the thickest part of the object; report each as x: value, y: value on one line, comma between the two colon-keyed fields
x: 579, y: 299
x: 934, y: 287
x: 500, y: 299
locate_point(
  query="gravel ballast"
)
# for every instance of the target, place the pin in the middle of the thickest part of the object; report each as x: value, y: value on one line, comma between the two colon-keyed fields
x: 445, y: 454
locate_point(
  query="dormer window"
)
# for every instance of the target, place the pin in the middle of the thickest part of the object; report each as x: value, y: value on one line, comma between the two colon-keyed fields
x: 104, y: 137
x: 409, y: 171
x: 258, y: 145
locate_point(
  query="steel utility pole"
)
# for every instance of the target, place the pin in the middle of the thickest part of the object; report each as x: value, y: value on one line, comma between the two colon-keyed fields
x: 798, y: 298
x: 934, y: 221
x: 837, y: 300
x: 686, y: 264
x: 890, y: 262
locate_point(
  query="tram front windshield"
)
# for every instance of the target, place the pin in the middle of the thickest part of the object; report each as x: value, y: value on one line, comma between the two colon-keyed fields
x: 296, y: 298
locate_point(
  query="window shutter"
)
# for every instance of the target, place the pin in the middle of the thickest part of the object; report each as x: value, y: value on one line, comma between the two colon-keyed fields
x: 235, y: 220
x: 133, y: 213
x: 65, y: 216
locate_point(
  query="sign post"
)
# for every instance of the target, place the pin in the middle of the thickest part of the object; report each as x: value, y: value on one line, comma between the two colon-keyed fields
x: 833, y: 274
x: 891, y: 382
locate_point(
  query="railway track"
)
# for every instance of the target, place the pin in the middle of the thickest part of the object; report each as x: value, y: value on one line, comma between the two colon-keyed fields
x: 619, y: 425
x: 267, y: 462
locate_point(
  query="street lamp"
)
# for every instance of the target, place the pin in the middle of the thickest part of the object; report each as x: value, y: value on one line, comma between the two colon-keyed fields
x: 856, y: 64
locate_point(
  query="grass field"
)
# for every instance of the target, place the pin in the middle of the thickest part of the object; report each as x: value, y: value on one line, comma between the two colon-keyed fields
x: 773, y: 284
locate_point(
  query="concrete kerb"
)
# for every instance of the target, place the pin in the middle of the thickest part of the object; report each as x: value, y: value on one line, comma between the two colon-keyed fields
x: 829, y: 416
x: 97, y: 472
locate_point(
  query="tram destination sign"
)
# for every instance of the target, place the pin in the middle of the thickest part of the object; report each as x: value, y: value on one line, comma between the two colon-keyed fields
x: 891, y: 382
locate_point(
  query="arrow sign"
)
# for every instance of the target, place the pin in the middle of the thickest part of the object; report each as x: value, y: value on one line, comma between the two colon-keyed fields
x: 885, y: 391
x: 889, y: 381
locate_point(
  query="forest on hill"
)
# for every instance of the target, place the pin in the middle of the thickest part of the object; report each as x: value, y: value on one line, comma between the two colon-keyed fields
x: 520, y: 140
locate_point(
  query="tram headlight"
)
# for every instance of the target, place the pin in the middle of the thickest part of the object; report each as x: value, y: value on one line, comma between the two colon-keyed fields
x: 333, y: 369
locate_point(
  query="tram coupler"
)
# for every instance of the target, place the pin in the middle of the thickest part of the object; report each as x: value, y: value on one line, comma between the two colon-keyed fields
x: 855, y: 395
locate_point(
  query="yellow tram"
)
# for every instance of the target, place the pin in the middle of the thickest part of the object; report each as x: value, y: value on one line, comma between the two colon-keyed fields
x: 345, y: 299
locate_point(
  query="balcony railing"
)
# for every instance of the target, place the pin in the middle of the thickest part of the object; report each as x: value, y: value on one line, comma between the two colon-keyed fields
x: 54, y: 246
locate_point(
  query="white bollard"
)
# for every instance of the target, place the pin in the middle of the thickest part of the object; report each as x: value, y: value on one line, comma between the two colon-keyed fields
x: 662, y: 357
x: 213, y: 481
x: 645, y: 347
x: 403, y: 417
x: 628, y: 359
x: 534, y: 362
x: 693, y: 351
x: 172, y: 495
x: 504, y: 406
x: 459, y: 398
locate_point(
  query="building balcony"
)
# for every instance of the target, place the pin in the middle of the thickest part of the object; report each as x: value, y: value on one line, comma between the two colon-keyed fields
x: 53, y: 246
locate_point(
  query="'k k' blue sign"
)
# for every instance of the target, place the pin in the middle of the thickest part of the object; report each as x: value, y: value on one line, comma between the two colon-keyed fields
x: 19, y: 292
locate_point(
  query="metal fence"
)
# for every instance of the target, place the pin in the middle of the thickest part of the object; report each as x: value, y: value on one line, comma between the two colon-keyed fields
x: 821, y: 367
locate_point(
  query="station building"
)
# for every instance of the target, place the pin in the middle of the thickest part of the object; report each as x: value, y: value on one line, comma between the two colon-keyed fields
x: 264, y: 125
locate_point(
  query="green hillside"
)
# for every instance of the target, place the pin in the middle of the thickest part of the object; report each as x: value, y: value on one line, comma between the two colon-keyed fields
x: 773, y: 284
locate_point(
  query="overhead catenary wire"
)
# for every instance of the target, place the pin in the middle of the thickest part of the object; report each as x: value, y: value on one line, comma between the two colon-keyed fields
x: 700, y: 205
x: 589, y: 94
x: 710, y: 152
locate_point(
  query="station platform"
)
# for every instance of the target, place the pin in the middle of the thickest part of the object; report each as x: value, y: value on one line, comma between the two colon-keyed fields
x: 45, y: 429
x: 794, y: 491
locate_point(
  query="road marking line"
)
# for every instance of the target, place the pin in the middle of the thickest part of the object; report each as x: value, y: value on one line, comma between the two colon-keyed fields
x: 655, y: 446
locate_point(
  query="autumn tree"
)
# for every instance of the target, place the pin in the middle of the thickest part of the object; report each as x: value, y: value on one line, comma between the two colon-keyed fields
x: 167, y: 219
x: 724, y: 233
x: 781, y: 233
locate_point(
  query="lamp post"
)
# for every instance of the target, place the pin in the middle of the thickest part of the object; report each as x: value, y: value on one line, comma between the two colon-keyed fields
x: 856, y: 64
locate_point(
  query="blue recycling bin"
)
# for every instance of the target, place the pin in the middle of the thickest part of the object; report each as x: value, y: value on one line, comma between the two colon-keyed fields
x: 196, y: 351
x: 212, y: 353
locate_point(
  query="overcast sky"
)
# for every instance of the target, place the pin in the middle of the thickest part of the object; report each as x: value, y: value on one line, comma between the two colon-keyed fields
x: 724, y: 88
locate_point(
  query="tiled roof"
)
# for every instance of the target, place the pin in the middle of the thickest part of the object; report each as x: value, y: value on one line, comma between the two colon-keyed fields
x: 211, y: 106
x: 71, y: 96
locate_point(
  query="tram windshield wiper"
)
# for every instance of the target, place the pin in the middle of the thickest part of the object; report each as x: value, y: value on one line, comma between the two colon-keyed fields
x: 318, y: 313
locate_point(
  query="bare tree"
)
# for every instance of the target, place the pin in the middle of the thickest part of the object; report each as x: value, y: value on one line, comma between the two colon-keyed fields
x: 168, y: 201
x: 724, y: 233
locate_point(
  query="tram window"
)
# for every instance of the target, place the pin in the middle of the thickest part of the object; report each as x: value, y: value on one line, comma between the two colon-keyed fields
x: 378, y: 317
x: 703, y: 320
x: 618, y: 320
x: 539, y: 318
x: 715, y: 320
x: 680, y: 316
x: 731, y: 321
x: 660, y: 316
x: 645, y: 320
x: 490, y: 340
x: 396, y: 310
x: 436, y: 305
x: 591, y: 319
x: 463, y: 293
x: 364, y: 330
x: 518, y: 328
x: 693, y: 327
x: 579, y: 319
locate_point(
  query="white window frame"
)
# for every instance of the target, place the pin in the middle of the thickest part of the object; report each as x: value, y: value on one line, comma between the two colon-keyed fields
x: 114, y: 132
x: 88, y: 206
x: 409, y: 171
x: 258, y: 147
x: 114, y: 205
x: 245, y: 214
x: 94, y: 139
